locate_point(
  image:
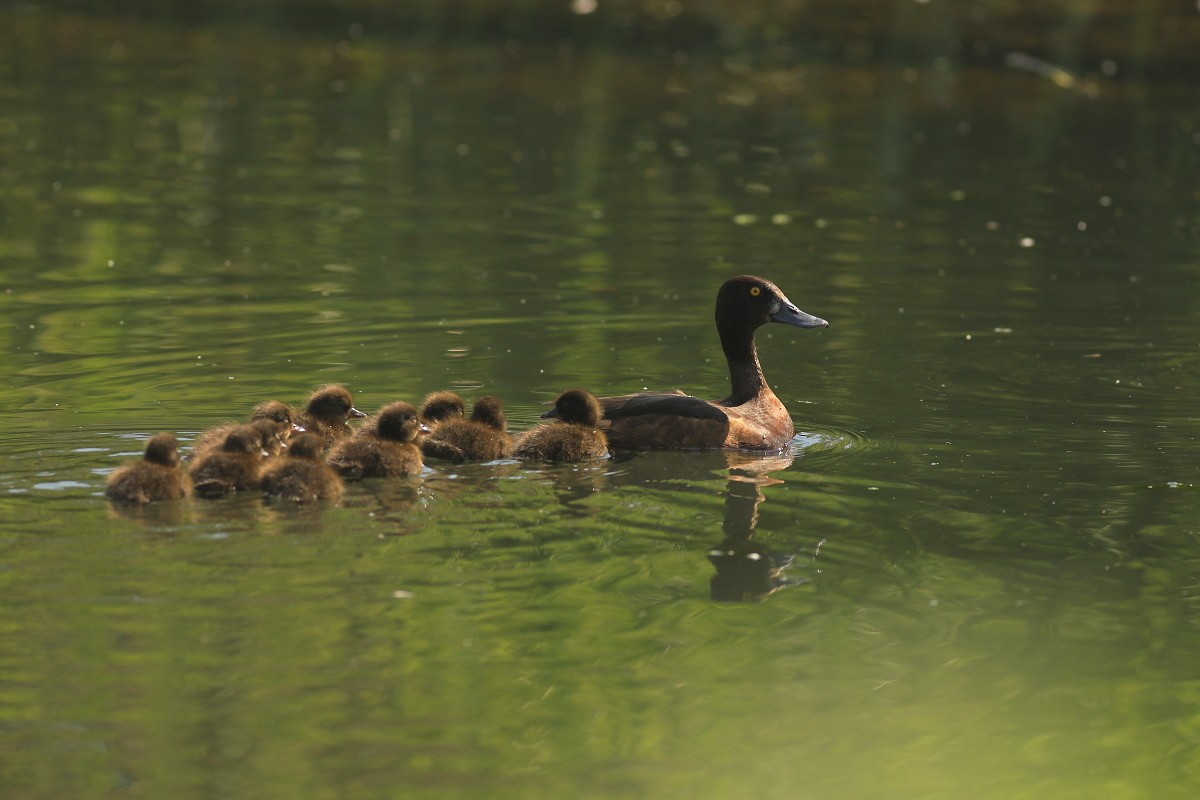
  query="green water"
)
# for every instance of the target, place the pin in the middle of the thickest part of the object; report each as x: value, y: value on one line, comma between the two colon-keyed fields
x: 990, y: 510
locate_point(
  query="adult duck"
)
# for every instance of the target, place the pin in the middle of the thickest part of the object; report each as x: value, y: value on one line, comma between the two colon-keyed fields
x: 751, y: 417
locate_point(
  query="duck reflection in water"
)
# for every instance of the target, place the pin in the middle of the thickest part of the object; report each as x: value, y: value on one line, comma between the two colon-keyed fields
x: 748, y: 570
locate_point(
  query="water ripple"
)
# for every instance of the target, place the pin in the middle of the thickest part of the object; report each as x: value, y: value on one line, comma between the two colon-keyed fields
x: 832, y: 442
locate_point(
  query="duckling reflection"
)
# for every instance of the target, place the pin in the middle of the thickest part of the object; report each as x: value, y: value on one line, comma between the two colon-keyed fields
x: 393, y: 508
x: 576, y: 484
x: 747, y: 570
x: 165, y: 516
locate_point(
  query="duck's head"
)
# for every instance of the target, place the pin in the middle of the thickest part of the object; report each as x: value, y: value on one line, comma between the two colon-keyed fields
x: 579, y: 407
x: 441, y: 406
x: 490, y: 411
x: 306, y: 445
x: 243, y: 439
x: 277, y: 412
x: 332, y: 403
x: 273, y: 435
x: 163, y: 448
x: 399, y: 422
x: 749, y: 302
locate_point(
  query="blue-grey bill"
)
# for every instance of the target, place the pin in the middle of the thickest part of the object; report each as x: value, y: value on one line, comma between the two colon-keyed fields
x: 788, y: 314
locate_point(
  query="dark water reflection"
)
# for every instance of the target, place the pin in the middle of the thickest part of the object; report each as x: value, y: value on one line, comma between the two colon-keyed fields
x: 746, y: 570
x: 975, y: 572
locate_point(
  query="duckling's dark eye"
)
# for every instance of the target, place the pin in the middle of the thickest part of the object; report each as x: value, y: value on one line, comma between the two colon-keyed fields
x: 755, y: 291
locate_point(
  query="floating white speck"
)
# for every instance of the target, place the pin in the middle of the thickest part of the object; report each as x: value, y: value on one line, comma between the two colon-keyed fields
x: 1026, y: 241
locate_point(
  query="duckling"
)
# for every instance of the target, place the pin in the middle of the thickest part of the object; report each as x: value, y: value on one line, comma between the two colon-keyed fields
x: 235, y: 466
x: 576, y: 436
x: 483, y: 437
x: 385, y: 451
x: 439, y: 407
x: 271, y: 412
x: 327, y: 411
x: 301, y: 476
x: 158, y: 476
x: 274, y: 436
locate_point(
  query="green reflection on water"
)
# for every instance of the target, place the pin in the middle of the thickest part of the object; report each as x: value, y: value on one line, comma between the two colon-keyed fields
x: 986, y: 533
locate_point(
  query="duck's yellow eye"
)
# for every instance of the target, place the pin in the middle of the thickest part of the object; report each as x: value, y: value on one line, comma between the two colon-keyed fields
x: 755, y: 291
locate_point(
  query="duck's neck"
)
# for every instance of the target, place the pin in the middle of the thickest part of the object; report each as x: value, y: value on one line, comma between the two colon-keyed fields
x: 745, y: 374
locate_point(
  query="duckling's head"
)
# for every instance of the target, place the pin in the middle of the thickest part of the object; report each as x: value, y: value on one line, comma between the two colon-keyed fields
x: 243, y: 439
x: 273, y: 435
x: 490, y: 411
x: 441, y: 406
x: 306, y: 445
x: 163, y: 448
x: 579, y: 407
x: 399, y: 422
x: 276, y: 412
x: 333, y: 404
x: 748, y: 302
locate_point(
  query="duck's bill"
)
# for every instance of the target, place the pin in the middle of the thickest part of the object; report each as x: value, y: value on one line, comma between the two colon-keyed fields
x: 788, y: 314
x: 354, y: 413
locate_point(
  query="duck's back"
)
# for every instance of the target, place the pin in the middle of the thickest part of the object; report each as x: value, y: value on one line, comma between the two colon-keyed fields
x: 330, y: 432
x: 142, y: 482
x: 301, y: 480
x: 664, y: 420
x: 219, y: 473
x: 365, y: 456
x: 209, y: 441
x: 561, y: 441
x: 468, y: 440
x: 668, y: 420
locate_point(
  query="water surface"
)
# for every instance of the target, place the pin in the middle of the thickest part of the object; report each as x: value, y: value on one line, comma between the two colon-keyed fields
x: 974, y: 572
